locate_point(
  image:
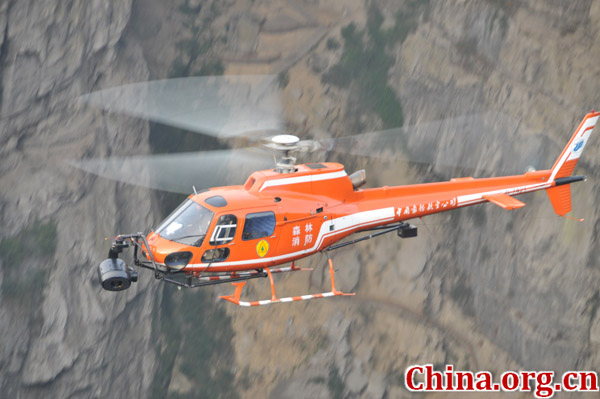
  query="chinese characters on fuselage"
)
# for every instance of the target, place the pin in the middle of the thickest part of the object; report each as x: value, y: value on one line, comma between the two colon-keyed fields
x: 297, y: 232
x: 425, y: 207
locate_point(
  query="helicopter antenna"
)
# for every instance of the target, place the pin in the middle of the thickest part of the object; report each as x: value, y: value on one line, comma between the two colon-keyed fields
x: 195, y: 192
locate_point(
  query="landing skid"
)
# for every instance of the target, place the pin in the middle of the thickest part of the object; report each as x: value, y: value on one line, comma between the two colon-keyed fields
x: 194, y: 280
x: 403, y: 229
x: 235, y: 297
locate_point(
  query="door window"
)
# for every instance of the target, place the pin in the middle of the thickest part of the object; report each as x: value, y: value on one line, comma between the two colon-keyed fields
x: 258, y: 225
x: 224, y: 230
x: 215, y: 255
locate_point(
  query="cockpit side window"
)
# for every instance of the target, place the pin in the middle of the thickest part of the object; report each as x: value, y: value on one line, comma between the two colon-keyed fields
x: 224, y: 230
x: 258, y: 225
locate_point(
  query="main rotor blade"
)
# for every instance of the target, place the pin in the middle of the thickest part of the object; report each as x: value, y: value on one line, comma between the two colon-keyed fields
x: 180, y: 172
x: 220, y: 106
x: 490, y: 143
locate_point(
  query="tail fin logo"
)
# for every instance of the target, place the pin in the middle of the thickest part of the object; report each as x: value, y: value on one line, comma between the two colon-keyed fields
x: 578, y: 146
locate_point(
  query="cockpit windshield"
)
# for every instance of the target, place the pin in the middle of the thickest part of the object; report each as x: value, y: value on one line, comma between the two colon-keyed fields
x: 187, y: 224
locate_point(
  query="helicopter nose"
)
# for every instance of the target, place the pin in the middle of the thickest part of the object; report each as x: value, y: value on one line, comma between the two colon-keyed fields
x: 152, y: 237
x: 170, y: 253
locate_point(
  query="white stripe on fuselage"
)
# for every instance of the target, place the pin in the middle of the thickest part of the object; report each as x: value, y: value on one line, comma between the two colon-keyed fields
x: 302, y: 179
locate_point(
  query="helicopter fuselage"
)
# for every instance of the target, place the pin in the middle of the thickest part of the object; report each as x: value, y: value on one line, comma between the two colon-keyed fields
x: 277, y: 218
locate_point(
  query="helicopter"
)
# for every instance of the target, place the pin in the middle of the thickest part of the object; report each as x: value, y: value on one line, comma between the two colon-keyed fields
x: 232, y: 234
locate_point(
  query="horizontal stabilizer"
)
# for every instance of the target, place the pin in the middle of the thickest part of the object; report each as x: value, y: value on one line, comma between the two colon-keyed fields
x: 504, y: 201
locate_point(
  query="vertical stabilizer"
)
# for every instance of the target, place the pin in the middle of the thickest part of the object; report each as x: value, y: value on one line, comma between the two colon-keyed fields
x: 565, y: 164
x: 560, y: 193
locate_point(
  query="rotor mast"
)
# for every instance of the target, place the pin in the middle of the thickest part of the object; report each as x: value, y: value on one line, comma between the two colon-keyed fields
x: 285, y: 144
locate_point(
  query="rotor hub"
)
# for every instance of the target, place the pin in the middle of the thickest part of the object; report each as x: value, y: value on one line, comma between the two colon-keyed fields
x: 285, y: 139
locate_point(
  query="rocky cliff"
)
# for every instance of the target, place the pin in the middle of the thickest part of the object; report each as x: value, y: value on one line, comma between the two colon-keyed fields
x: 61, y: 336
x: 481, y: 288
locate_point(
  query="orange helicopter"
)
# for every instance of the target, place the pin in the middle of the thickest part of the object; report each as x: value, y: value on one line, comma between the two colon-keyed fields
x: 278, y: 216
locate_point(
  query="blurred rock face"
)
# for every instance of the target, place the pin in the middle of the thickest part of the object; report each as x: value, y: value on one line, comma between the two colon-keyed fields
x: 481, y: 288
x: 63, y: 335
x: 527, y: 280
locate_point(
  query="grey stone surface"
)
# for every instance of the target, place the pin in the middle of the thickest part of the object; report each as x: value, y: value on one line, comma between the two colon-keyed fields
x: 79, y: 340
x: 525, y: 283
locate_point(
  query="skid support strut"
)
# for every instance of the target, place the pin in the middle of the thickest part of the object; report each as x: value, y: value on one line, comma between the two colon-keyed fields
x: 235, y: 297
